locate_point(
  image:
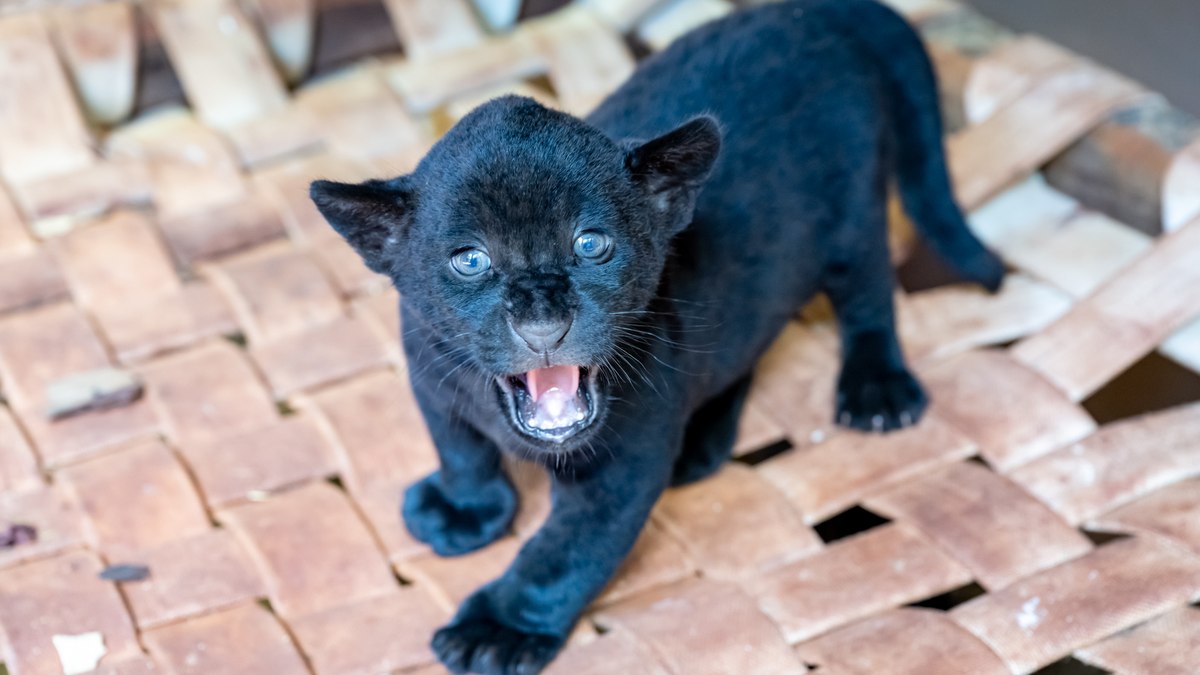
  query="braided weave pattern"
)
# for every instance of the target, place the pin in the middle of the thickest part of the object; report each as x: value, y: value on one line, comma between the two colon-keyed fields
x: 258, y: 474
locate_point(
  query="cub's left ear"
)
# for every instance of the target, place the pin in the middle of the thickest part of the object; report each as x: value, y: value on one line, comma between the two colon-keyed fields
x: 371, y: 216
x: 674, y: 166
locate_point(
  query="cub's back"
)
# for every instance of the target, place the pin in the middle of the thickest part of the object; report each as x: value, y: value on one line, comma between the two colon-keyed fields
x: 799, y: 105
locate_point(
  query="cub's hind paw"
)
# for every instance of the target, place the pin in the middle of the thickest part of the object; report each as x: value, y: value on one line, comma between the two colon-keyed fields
x: 881, y: 401
x: 488, y: 647
x: 455, y: 528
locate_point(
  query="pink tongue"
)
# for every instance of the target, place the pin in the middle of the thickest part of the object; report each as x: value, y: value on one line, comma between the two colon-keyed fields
x: 555, y: 394
x: 563, y: 378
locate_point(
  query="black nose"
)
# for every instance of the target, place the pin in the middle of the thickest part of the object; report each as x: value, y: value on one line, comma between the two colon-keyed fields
x: 542, y: 336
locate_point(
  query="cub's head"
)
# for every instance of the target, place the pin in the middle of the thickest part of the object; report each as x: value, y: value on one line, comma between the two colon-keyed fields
x: 529, y: 242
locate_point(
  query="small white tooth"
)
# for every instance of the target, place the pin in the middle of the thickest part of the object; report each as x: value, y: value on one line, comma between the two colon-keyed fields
x: 579, y: 415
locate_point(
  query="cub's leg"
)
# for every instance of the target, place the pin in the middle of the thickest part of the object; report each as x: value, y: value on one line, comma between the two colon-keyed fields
x: 469, y: 502
x: 517, y: 623
x: 875, y: 390
x: 710, y: 435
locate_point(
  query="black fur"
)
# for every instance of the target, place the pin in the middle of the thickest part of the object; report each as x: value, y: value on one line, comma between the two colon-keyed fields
x: 737, y: 173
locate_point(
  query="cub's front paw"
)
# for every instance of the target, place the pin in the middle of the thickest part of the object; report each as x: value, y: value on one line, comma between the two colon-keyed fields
x: 456, y: 527
x: 488, y: 647
x: 879, y: 401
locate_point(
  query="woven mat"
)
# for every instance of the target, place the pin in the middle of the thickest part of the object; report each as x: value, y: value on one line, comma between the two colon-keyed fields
x: 258, y: 474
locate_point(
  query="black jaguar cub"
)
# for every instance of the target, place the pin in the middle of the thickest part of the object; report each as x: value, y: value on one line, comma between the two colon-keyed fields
x: 593, y: 294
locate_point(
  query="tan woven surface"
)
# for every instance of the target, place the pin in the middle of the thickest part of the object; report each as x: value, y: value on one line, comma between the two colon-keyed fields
x: 258, y: 475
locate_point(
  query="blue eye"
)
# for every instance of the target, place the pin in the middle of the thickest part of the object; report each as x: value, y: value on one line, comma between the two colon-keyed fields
x: 471, y: 262
x: 593, y: 246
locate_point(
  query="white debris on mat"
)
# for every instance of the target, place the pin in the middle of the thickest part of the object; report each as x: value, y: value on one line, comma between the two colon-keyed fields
x: 91, y: 390
x: 1031, y: 614
x: 79, y: 653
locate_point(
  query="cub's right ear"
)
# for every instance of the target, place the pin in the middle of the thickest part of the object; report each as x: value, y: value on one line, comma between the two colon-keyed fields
x: 371, y: 216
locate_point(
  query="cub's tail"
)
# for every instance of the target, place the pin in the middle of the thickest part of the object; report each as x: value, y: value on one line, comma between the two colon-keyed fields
x: 920, y: 160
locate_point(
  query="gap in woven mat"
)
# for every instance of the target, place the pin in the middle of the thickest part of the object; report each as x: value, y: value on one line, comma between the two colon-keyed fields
x: 978, y: 459
x: 1070, y: 666
x: 157, y: 83
x: 1099, y: 538
x: 1154, y: 383
x: 336, y: 481
x: 238, y: 339
x: 532, y: 8
x: 639, y: 49
x: 348, y: 31
x: 763, y: 454
x: 543, y: 83
x: 952, y: 598
x: 853, y: 520
x: 924, y: 270
x: 285, y: 409
x: 402, y: 580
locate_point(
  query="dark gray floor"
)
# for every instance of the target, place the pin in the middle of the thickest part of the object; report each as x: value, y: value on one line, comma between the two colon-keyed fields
x: 1157, y: 42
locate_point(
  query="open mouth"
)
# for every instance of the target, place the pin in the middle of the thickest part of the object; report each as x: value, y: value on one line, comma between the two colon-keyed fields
x: 551, y: 404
